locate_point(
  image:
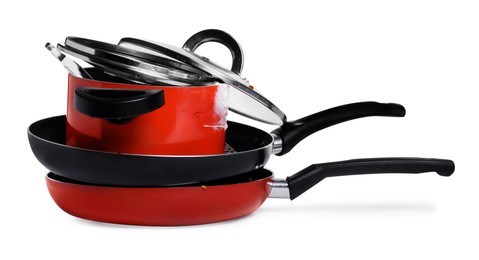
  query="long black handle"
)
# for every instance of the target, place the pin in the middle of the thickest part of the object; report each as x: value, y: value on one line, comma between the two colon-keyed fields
x: 118, y: 106
x: 291, y: 133
x: 310, y: 176
x: 214, y: 35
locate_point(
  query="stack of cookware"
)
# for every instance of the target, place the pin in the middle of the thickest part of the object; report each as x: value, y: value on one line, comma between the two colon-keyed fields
x: 146, y: 141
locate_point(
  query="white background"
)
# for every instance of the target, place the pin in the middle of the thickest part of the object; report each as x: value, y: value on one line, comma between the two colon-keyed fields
x: 304, y: 57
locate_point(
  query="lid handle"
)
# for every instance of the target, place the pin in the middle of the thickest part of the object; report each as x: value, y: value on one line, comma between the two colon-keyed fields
x: 214, y: 35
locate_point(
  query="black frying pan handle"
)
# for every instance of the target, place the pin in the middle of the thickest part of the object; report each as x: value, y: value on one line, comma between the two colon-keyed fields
x: 118, y: 106
x: 214, y: 35
x: 310, y: 176
x: 291, y: 133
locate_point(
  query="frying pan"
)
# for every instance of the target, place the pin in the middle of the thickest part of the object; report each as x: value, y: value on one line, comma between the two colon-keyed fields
x: 253, y: 149
x: 216, y: 201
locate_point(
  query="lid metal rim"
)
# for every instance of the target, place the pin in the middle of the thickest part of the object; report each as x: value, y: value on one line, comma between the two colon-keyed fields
x: 135, y: 64
x: 88, y: 45
x: 134, y: 73
x: 131, y: 75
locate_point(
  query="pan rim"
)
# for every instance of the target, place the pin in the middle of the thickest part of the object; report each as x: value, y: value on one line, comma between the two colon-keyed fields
x: 269, y: 146
x: 68, y: 181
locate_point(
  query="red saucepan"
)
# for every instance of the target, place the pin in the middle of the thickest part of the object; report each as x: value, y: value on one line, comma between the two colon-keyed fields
x: 137, y: 119
x: 252, y: 146
x: 187, y: 117
x: 181, y: 110
x: 214, y: 201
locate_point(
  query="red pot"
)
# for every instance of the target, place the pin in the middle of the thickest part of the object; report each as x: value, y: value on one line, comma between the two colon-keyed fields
x: 139, y: 119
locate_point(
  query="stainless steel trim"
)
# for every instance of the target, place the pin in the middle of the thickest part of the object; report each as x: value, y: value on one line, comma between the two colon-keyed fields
x: 71, y: 66
x: 277, y: 144
x: 126, y: 71
x: 279, y: 189
x: 143, y: 70
x: 90, y: 46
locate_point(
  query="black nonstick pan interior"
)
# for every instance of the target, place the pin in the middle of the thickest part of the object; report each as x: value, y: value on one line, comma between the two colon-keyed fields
x: 47, y: 138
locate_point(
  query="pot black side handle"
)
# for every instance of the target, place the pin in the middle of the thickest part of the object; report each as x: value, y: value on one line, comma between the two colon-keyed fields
x: 310, y: 176
x: 118, y: 106
x: 214, y: 35
x: 291, y: 133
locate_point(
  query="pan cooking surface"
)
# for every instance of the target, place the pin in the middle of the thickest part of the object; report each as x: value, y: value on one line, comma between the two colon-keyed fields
x: 239, y: 138
x: 47, y: 139
x: 252, y: 176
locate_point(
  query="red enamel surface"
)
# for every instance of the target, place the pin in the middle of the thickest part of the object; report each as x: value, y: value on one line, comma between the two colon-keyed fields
x: 183, y: 126
x: 159, y: 206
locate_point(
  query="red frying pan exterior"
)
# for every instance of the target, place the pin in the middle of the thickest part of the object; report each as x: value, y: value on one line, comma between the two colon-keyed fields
x: 165, y: 206
x: 217, y: 200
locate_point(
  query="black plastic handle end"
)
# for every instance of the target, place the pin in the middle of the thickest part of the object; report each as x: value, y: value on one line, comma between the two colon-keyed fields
x: 310, y: 176
x: 118, y: 106
x: 447, y: 169
x: 393, y: 110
